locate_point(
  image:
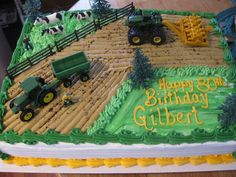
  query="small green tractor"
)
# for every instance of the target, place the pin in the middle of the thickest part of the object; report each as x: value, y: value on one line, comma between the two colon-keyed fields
x: 36, y: 92
x: 145, y: 26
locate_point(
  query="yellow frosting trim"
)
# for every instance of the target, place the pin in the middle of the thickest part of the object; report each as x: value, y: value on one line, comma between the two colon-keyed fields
x: 126, y: 162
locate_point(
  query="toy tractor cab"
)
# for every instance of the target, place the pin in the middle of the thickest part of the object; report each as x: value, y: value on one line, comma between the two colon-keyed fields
x: 36, y: 93
x: 145, y: 26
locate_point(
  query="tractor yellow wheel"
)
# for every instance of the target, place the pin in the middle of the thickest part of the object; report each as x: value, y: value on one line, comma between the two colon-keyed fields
x: 156, y: 40
x: 48, y: 97
x: 136, y: 39
x: 27, y: 115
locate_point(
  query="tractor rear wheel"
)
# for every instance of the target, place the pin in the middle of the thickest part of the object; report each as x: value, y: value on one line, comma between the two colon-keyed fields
x: 84, y: 77
x: 27, y: 115
x: 158, y: 36
x: 46, y: 96
x: 135, y: 36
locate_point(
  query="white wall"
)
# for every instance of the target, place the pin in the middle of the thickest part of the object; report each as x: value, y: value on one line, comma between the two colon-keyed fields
x: 5, y: 54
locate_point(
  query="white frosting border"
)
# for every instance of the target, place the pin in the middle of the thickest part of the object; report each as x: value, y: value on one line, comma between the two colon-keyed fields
x: 114, y: 150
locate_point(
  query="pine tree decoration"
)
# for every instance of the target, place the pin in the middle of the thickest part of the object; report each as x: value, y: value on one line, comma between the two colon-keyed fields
x: 228, y: 115
x: 143, y: 72
x: 101, y: 7
x: 32, y: 9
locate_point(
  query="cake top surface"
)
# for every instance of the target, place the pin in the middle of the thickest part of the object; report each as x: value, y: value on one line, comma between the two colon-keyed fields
x: 182, y: 103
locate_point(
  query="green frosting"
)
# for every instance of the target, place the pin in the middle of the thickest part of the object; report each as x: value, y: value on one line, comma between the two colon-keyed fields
x: 208, y: 15
x: 124, y: 137
x: 124, y: 119
x: 224, y: 134
x: 202, y: 135
x: 99, y: 135
x: 234, y: 155
x: 217, y: 30
x: 112, y: 107
x: 4, y: 156
x: 34, y: 33
x: 128, y: 137
x: 6, y: 84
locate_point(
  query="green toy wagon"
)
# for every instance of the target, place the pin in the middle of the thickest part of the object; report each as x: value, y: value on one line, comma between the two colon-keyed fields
x: 76, y: 64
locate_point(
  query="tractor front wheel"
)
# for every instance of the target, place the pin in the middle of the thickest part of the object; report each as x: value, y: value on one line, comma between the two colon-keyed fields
x: 135, y: 36
x: 27, y: 115
x: 158, y: 36
x: 46, y: 96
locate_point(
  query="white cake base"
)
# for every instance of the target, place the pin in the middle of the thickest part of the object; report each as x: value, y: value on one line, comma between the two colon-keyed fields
x: 114, y: 150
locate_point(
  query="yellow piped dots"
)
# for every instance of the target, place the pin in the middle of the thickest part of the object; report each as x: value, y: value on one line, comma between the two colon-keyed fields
x: 180, y: 160
x: 76, y: 163
x: 164, y: 161
x: 21, y: 161
x: 143, y: 162
x: 214, y: 159
x: 112, y: 162
x: 197, y: 160
x: 95, y: 162
x: 228, y: 158
x: 36, y: 161
x: 56, y: 162
x: 126, y: 162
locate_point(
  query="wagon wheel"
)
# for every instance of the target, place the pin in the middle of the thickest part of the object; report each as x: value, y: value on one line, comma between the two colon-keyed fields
x: 46, y: 96
x: 67, y: 83
x: 27, y: 115
x: 84, y: 77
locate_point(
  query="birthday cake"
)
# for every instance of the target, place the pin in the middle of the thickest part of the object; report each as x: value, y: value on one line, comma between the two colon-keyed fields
x: 94, y: 91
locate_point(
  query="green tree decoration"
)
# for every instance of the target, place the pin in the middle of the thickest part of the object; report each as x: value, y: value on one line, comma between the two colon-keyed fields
x: 228, y: 115
x: 143, y: 72
x: 32, y: 9
x: 101, y: 7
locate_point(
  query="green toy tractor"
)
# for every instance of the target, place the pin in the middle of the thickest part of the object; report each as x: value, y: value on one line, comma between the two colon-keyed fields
x: 36, y: 93
x: 145, y: 26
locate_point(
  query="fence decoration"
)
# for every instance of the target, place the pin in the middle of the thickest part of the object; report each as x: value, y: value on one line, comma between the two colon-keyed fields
x: 93, y: 26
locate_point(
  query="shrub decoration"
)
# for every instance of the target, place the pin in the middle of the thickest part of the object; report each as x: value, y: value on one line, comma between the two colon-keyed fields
x: 228, y: 115
x: 143, y: 72
x: 101, y: 7
x: 32, y: 9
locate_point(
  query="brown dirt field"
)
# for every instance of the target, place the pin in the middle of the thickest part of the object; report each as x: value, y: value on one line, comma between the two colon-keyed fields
x: 111, y: 56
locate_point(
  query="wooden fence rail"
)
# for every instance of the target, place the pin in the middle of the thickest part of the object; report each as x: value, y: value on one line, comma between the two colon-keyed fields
x: 68, y: 40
